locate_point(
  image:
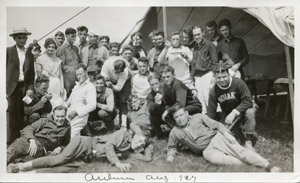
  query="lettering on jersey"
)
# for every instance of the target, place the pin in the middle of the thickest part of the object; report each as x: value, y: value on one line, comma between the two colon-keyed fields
x: 226, y: 96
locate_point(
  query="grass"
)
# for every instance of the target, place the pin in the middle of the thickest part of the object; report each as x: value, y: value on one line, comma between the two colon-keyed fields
x: 275, y: 143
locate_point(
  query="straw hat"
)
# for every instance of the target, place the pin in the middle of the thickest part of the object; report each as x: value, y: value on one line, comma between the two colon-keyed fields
x: 21, y: 30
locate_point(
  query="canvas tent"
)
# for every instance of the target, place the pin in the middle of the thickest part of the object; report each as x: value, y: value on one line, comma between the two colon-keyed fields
x: 267, y: 32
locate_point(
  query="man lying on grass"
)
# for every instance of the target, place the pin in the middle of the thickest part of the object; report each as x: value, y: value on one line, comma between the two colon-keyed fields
x: 90, y: 148
x: 203, y: 135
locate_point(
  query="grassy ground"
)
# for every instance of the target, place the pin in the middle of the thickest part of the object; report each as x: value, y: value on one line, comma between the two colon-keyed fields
x: 275, y: 142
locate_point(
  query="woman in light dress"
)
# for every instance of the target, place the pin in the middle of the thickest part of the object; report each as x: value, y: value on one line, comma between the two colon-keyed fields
x: 50, y: 65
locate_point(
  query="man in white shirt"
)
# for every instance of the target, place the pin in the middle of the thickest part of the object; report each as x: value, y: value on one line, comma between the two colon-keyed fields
x: 19, y: 77
x: 115, y: 70
x: 139, y: 81
x: 81, y: 102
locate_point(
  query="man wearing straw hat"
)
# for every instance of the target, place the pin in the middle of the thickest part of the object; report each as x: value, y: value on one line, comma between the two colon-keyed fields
x: 19, y: 76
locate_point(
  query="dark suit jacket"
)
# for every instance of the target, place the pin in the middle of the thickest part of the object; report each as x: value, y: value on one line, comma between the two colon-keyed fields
x: 12, y: 70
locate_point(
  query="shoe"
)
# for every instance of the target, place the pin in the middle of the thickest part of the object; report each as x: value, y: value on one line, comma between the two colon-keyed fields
x: 12, y: 168
x: 248, y: 145
x: 275, y: 169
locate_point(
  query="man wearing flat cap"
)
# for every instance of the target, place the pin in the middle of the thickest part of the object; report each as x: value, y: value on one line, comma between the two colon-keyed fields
x: 92, y: 55
x: 19, y: 77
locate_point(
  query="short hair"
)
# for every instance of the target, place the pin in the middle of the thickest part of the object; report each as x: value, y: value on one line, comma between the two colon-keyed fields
x: 136, y: 34
x: 59, y: 108
x: 151, y: 34
x: 104, y: 37
x: 189, y: 31
x: 221, y: 67
x: 175, y: 33
x: 100, y: 77
x: 198, y: 27
x: 34, y: 45
x: 49, y: 41
x: 114, y: 44
x: 224, y: 22
x: 168, y: 69
x: 70, y: 30
x: 59, y: 33
x: 154, y: 76
x: 176, y: 107
x: 144, y: 60
x: 119, y: 65
x: 81, y: 65
x: 127, y: 47
x: 41, y: 79
x: 158, y: 32
x: 82, y: 28
x: 211, y: 24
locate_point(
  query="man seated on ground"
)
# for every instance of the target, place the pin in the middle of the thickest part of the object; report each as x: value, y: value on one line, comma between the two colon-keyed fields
x: 139, y: 81
x: 116, y: 73
x: 81, y: 102
x: 89, y: 148
x: 139, y: 117
x: 127, y: 55
x: 203, y: 135
x: 46, y: 134
x: 102, y: 118
x: 174, y: 91
x: 235, y: 101
x: 37, y: 101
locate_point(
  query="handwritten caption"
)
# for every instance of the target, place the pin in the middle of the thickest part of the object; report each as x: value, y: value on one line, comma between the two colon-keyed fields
x: 89, y: 177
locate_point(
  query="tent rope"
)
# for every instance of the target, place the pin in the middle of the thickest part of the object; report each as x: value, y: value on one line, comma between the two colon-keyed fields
x: 219, y: 13
x: 250, y: 29
x: 267, y: 37
x: 186, y: 18
x: 64, y: 23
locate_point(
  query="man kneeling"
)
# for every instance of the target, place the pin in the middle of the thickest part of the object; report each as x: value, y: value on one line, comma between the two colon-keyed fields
x: 201, y: 134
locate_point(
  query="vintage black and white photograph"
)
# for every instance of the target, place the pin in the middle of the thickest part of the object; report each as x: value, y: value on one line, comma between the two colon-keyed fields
x: 163, y: 90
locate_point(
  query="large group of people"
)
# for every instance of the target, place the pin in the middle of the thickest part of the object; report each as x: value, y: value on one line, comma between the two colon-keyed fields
x: 95, y: 98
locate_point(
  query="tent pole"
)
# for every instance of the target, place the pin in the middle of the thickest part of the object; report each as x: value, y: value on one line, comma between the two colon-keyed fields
x: 290, y: 77
x: 164, y: 12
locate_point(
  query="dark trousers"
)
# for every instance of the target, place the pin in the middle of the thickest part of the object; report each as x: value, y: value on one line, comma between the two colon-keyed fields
x: 121, y: 97
x: 15, y: 113
x: 19, y: 148
x: 69, y: 81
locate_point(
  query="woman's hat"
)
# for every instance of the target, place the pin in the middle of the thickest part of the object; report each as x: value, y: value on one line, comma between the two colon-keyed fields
x: 21, y: 30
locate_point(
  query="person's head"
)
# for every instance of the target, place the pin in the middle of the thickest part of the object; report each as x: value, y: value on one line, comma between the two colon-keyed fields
x: 159, y: 37
x: 134, y: 102
x: 104, y: 41
x: 59, y: 38
x: 139, y: 141
x: 114, y: 48
x: 225, y: 27
x: 70, y: 35
x: 136, y: 39
x: 127, y: 52
x: 151, y: 37
x: 221, y: 74
x: 42, y: 84
x: 81, y: 73
x: 154, y: 81
x: 20, y: 36
x: 187, y: 35
x: 82, y: 33
x: 35, y: 49
x: 180, y: 115
x: 93, y: 37
x: 175, y: 39
x: 198, y: 33
x: 50, y: 46
x: 59, y: 115
x: 119, y: 66
x: 100, y: 83
x: 143, y: 65
x: 168, y: 74
x: 211, y: 28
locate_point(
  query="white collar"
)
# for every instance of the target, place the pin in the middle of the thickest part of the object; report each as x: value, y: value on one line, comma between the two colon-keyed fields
x: 225, y: 88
